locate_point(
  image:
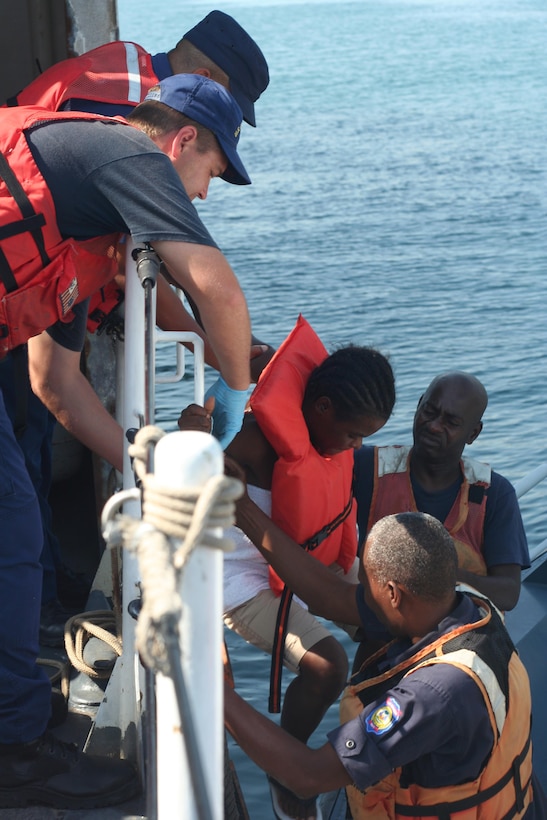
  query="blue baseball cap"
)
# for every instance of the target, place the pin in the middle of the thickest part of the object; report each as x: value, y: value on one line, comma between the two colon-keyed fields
x: 210, y: 104
x: 228, y: 45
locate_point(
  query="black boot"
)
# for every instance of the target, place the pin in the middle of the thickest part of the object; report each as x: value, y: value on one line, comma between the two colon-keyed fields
x: 53, y: 617
x: 49, y: 772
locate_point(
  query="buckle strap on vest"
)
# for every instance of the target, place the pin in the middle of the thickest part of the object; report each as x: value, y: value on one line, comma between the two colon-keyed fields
x: 282, y: 620
x: 443, y: 811
x: 32, y: 223
x: 312, y: 543
x: 35, y: 221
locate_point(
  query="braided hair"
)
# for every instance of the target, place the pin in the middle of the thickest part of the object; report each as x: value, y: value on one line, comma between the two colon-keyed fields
x: 359, y: 381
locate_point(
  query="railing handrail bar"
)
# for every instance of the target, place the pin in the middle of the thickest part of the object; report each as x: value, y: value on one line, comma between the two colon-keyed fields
x: 530, y: 480
x: 538, y: 551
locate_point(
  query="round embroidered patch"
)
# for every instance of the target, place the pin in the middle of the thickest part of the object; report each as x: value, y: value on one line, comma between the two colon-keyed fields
x: 384, y: 717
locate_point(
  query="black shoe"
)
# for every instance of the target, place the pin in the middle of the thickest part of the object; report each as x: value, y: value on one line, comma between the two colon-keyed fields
x: 48, y: 772
x: 53, y: 617
x: 72, y: 588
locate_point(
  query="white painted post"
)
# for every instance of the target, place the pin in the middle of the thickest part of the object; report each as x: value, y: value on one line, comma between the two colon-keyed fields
x: 189, y: 459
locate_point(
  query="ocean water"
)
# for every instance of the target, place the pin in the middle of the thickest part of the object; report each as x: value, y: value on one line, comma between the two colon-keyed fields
x: 398, y: 200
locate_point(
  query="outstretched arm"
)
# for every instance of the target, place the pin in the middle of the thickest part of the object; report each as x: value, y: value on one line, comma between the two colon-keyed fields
x: 304, y: 771
x: 57, y: 380
x: 326, y: 594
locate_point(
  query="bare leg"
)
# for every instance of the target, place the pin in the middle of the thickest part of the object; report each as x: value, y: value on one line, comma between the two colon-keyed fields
x: 323, y: 673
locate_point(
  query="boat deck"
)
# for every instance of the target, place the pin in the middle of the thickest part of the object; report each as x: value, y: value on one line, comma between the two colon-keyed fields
x: 527, y: 624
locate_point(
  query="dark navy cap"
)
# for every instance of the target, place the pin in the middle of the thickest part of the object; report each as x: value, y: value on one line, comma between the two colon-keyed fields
x: 230, y: 47
x: 210, y: 104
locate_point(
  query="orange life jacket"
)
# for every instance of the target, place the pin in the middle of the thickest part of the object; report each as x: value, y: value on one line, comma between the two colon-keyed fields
x: 42, y: 275
x: 309, y: 491
x: 100, y: 316
x: 119, y: 73
x: 392, y: 493
x: 503, y: 787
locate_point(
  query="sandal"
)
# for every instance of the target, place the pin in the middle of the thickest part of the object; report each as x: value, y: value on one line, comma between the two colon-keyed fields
x: 308, y: 806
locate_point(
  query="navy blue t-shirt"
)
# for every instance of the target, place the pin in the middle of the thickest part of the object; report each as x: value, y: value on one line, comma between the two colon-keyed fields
x: 107, y: 177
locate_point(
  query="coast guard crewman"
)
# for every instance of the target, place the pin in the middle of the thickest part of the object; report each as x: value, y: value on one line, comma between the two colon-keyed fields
x: 438, y: 723
x: 103, y: 81
x: 113, y: 78
x: 71, y: 183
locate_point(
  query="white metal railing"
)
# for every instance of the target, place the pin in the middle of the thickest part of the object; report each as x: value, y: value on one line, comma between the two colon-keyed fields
x: 169, y: 781
x: 527, y: 482
x: 523, y: 486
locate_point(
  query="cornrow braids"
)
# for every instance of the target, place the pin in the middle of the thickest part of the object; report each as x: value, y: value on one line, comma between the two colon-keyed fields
x: 359, y: 381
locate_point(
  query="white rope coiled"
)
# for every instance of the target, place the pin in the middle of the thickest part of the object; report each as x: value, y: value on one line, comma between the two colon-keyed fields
x: 174, y: 522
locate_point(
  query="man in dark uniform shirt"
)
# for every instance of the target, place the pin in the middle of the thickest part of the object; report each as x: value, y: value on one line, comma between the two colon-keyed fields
x: 430, y: 730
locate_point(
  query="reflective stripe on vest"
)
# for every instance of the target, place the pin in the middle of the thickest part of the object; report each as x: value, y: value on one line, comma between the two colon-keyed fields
x: 503, y: 788
x: 117, y: 73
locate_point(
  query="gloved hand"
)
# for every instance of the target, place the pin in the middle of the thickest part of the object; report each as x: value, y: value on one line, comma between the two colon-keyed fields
x: 228, y: 412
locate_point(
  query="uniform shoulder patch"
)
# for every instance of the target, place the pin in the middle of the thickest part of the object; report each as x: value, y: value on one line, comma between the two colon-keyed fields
x: 384, y: 717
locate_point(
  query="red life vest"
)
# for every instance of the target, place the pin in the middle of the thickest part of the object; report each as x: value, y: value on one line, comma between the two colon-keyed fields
x: 42, y: 275
x: 118, y: 73
x: 309, y: 491
x: 503, y: 788
x: 465, y: 522
x: 101, y: 305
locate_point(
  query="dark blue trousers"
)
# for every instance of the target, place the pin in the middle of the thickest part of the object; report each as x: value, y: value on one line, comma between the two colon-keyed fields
x: 35, y: 442
x: 25, y: 691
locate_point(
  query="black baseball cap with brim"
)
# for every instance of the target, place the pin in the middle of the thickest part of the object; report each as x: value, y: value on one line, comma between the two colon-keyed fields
x: 228, y: 45
x: 210, y: 104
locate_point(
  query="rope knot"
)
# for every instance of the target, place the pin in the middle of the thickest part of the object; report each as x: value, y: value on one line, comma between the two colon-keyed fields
x: 174, y: 522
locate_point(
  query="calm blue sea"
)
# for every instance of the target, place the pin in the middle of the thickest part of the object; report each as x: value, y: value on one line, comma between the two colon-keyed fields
x: 398, y: 200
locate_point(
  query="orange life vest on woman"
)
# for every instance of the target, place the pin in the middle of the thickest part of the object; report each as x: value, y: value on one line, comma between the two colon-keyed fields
x: 119, y: 73
x: 42, y: 275
x: 392, y: 494
x: 503, y: 788
x: 309, y: 491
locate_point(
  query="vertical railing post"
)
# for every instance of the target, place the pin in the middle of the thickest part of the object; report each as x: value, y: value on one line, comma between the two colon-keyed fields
x: 180, y: 460
x: 133, y: 416
x: 188, y: 460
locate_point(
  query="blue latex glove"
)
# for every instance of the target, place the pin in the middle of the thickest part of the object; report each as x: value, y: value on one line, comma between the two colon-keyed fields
x: 228, y: 412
